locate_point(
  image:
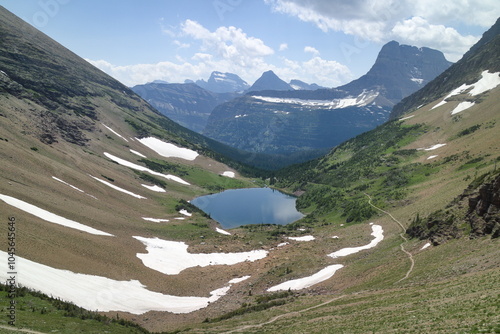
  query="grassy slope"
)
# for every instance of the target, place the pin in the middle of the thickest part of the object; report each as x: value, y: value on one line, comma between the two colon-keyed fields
x: 452, y: 288
x: 47, y: 90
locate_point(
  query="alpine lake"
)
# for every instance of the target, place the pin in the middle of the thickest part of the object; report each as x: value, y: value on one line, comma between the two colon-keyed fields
x: 237, y: 207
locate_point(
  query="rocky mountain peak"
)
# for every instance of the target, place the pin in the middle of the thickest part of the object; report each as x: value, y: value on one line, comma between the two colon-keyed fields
x: 401, y: 70
x: 223, y: 83
x: 269, y: 81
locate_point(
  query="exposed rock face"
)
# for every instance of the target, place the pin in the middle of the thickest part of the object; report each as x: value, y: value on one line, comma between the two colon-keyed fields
x: 401, y: 70
x: 484, y: 210
x: 477, y: 209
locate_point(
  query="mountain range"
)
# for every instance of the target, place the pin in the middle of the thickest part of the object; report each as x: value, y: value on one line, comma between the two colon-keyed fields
x: 187, y: 104
x: 223, y: 83
x: 284, y: 120
x: 400, y: 233
x: 190, y: 104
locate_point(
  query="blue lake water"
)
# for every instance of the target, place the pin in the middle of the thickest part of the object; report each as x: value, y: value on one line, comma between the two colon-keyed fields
x: 233, y: 208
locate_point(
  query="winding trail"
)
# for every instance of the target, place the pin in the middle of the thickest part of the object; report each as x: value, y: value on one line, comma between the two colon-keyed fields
x: 298, y: 313
x: 405, y: 240
x: 22, y: 330
x: 285, y: 315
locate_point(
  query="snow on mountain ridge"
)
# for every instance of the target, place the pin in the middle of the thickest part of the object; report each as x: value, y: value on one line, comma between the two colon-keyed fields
x: 363, y: 99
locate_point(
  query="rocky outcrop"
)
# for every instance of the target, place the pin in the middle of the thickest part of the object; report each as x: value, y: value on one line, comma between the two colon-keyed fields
x: 475, y: 213
x: 484, y: 210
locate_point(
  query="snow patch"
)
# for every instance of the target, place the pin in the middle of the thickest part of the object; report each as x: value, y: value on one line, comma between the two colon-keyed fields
x: 154, y: 188
x: 425, y: 246
x: 363, y: 99
x: 138, y: 153
x: 144, y: 169
x: 172, y: 257
x: 432, y: 148
x: 432, y: 157
x: 103, y: 294
x: 167, y: 149
x: 304, y: 238
x: 283, y: 244
x: 228, y: 174
x: 221, y: 231
x: 116, y: 133
x: 378, y: 234
x: 461, y: 107
x: 488, y: 81
x: 49, y: 216
x: 117, y: 188
x: 328, y: 272
x: 155, y: 220
x: 72, y: 186
x: 238, y: 280
x: 185, y: 213
x: 305, y: 282
x: 407, y: 117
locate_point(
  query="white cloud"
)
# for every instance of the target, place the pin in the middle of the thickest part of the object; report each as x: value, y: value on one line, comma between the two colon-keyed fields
x: 227, y: 49
x: 384, y: 20
x: 312, y: 50
x: 169, y: 31
x: 417, y: 31
x: 228, y: 42
x: 181, y: 45
x: 326, y: 72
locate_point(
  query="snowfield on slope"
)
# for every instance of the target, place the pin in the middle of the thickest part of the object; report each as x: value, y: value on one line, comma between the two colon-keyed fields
x: 114, y: 132
x: 49, y: 216
x: 361, y: 100
x: 154, y: 188
x: 328, y: 272
x: 103, y: 294
x: 168, y: 150
x: 118, y: 188
x: 487, y: 82
x: 132, y: 165
x: 377, y: 233
x: 303, y: 238
x: 72, y: 186
x: 305, y: 282
x: 172, y: 257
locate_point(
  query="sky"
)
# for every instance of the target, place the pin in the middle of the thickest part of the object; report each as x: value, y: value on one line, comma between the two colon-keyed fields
x: 327, y: 42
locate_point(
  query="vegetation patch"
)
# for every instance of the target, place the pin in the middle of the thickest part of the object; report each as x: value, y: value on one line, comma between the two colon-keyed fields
x: 262, y: 303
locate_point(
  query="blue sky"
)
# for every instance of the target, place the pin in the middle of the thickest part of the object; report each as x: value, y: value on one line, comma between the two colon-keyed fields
x: 328, y: 42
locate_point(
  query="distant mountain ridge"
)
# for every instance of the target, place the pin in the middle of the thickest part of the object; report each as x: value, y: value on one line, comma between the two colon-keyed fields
x: 223, y: 83
x: 274, y: 118
x: 301, y: 85
x: 187, y: 104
